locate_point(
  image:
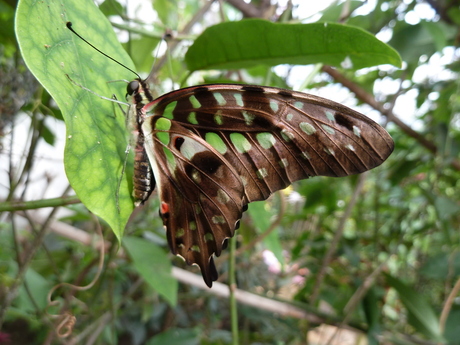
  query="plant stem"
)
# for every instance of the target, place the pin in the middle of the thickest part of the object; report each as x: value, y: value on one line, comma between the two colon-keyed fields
x: 30, y: 205
x: 232, y: 288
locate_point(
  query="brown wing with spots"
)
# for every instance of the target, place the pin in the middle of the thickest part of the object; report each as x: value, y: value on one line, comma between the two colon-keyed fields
x: 275, y: 137
x: 201, y: 194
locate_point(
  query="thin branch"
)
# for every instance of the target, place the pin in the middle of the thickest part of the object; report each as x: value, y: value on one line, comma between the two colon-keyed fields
x: 34, y: 204
x: 448, y: 305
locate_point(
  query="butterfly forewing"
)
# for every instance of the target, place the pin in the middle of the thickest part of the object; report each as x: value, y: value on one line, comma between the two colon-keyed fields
x: 274, y: 137
x: 215, y: 148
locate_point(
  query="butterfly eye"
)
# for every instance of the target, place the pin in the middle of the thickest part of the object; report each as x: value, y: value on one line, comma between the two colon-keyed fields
x: 132, y: 87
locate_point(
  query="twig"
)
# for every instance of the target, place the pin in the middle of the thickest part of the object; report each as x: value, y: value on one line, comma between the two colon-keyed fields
x: 448, y: 305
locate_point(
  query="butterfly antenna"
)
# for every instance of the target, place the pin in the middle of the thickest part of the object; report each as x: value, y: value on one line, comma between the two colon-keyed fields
x: 69, y: 26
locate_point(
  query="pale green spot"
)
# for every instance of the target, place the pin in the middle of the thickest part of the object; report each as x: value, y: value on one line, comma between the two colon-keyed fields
x: 216, y: 141
x: 197, y: 209
x: 240, y: 142
x: 244, y: 180
x: 218, y: 220
x: 164, y: 137
x: 266, y: 140
x: 262, y: 173
x: 180, y: 232
x: 170, y: 159
x: 287, y: 135
x: 196, y: 176
x: 222, y: 197
x: 329, y: 151
x: 357, y: 131
x: 239, y: 99
x: 192, y: 225
x: 208, y: 237
x: 350, y: 147
x: 298, y: 105
x: 162, y: 124
x: 168, y: 112
x: 307, y: 128
x: 195, y: 248
x: 330, y: 116
x: 274, y: 106
x: 248, y: 118
x: 306, y: 155
x: 328, y: 129
x: 219, y: 98
x: 194, y: 101
x: 218, y: 119
x: 289, y: 116
x: 283, y: 163
x: 192, y: 118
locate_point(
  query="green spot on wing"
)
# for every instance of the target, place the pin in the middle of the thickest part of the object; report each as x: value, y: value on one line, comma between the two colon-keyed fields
x: 218, y: 220
x: 180, y: 232
x: 307, y: 128
x: 239, y: 99
x: 208, y: 237
x: 162, y: 124
x: 240, y: 142
x: 328, y: 129
x: 330, y: 116
x: 274, y: 106
x: 168, y: 112
x: 194, y: 101
x: 219, y: 98
x: 248, y: 118
x: 195, y: 248
x: 164, y: 137
x: 171, y: 161
x: 192, y: 118
x: 216, y: 142
x: 218, y: 119
x: 266, y: 140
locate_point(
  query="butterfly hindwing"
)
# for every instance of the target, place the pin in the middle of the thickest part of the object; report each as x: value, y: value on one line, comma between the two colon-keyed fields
x: 201, y: 194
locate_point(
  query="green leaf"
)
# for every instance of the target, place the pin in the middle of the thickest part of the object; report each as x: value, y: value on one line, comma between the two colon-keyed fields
x: 96, y: 137
x: 421, y: 315
x: 251, y: 42
x: 176, y: 336
x: 154, y: 266
x: 262, y: 216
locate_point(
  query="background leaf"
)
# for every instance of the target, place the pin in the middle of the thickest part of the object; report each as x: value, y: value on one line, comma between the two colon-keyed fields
x: 234, y: 45
x: 154, y: 266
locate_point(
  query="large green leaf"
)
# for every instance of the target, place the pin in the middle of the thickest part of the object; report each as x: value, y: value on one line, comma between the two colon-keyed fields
x: 154, y: 266
x: 421, y: 314
x: 251, y: 42
x: 96, y: 136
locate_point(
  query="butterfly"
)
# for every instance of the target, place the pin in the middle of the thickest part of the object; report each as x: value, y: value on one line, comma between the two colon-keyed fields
x: 210, y: 150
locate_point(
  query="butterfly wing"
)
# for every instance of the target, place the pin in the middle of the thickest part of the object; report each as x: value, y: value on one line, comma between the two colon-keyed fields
x: 273, y: 137
x: 215, y: 148
x: 201, y: 194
